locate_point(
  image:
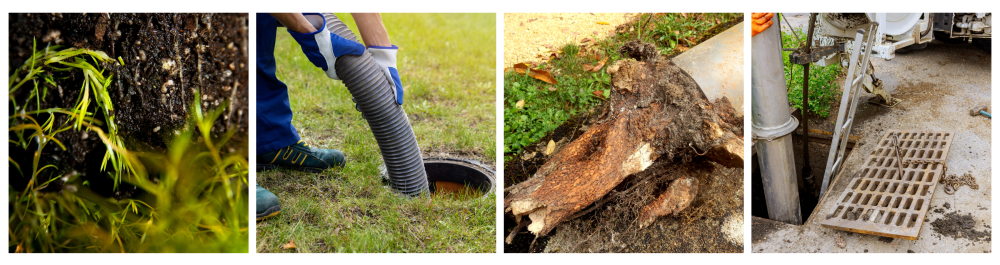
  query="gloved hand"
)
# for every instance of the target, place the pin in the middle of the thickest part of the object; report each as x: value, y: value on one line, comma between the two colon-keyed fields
x: 386, y: 58
x: 322, y: 47
x: 760, y: 22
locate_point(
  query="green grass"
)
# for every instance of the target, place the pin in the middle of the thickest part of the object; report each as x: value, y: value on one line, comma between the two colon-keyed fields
x: 194, y: 200
x: 447, y: 64
x: 546, y: 106
x: 823, y: 88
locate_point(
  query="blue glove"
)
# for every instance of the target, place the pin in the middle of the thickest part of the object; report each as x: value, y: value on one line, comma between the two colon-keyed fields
x: 322, y: 47
x: 386, y: 58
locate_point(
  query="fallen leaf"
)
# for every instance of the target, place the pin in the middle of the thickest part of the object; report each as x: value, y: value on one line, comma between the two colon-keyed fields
x: 684, y: 14
x: 289, y: 245
x: 603, y: 23
x: 587, y: 67
x: 543, y: 75
x: 552, y: 88
x: 600, y: 65
x: 520, y: 104
x: 598, y: 93
x: 586, y: 40
x: 682, y: 48
x: 550, y: 148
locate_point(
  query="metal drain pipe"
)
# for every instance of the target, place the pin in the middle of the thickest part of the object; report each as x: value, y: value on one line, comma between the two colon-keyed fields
x: 772, y: 124
x: 389, y: 123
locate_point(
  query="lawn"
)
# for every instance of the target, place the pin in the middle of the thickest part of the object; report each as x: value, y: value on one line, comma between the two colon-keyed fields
x: 447, y: 63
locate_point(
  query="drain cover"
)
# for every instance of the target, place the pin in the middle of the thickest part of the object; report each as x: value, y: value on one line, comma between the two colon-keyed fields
x: 882, y: 202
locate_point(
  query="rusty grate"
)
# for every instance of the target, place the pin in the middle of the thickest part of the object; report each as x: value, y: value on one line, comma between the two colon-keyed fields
x: 881, y: 202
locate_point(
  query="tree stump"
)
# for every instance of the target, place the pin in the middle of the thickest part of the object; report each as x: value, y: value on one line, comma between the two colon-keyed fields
x: 657, y: 114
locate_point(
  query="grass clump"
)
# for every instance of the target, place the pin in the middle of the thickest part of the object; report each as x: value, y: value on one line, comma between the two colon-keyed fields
x: 193, y: 197
x: 823, y: 88
x: 447, y: 64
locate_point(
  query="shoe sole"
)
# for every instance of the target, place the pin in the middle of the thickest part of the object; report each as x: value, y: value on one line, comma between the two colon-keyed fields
x: 271, y: 212
x: 265, y: 167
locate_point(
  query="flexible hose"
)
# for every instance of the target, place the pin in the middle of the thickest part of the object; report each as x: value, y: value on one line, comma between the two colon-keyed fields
x: 389, y: 123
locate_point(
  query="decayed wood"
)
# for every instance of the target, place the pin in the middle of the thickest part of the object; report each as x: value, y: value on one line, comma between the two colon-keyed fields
x: 657, y: 114
x: 678, y: 197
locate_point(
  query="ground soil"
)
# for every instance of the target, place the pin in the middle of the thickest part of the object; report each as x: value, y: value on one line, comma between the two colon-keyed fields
x: 530, y: 35
x: 167, y: 57
x: 956, y: 225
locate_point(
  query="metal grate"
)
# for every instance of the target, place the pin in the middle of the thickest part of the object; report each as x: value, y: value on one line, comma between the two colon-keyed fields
x: 882, y: 202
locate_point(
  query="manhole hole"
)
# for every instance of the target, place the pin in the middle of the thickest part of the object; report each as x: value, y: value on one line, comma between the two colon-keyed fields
x: 452, y: 175
x: 881, y: 202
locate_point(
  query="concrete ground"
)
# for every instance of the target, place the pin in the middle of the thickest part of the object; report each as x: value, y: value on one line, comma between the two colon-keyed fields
x: 938, y: 86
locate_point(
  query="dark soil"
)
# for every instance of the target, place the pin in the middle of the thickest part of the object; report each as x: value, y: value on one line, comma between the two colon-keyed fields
x: 168, y: 57
x: 639, y: 50
x: 957, y: 226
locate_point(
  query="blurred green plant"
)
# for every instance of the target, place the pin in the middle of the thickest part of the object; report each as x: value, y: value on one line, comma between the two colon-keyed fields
x: 823, y: 89
x: 194, y: 197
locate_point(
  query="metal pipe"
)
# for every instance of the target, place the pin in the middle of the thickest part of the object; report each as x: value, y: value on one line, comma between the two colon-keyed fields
x: 771, y: 125
x: 807, y: 174
x: 717, y: 66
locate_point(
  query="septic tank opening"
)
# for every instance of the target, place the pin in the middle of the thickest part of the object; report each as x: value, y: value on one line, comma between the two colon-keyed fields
x: 457, y: 176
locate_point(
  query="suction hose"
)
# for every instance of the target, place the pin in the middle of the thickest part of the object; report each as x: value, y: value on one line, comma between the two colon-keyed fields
x: 388, y: 121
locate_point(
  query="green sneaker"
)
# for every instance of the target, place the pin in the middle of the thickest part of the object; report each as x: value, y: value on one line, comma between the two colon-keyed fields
x: 267, y: 204
x: 301, y: 156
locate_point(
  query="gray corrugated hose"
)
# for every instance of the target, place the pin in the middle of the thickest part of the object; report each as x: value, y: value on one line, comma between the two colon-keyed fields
x: 375, y: 99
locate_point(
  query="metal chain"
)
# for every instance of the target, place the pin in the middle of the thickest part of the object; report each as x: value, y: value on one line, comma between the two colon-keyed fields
x: 953, y: 182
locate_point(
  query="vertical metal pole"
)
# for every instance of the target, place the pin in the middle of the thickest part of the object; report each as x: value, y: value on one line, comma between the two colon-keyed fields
x: 770, y: 114
x: 807, y: 174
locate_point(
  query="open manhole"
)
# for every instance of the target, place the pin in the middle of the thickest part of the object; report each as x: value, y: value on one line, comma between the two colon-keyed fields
x: 456, y: 176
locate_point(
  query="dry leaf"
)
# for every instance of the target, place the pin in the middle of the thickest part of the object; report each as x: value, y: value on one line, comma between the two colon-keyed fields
x: 543, y: 75
x: 586, y: 40
x: 598, y: 93
x: 682, y: 48
x: 549, y: 149
x: 603, y: 23
x: 587, y: 67
x: 519, y: 104
x: 289, y: 245
x: 600, y: 65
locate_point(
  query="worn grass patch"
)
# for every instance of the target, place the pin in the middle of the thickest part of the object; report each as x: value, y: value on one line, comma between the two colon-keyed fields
x: 447, y: 64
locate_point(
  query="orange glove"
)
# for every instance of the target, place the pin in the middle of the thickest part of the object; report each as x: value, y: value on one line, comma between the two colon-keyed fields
x: 760, y: 22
